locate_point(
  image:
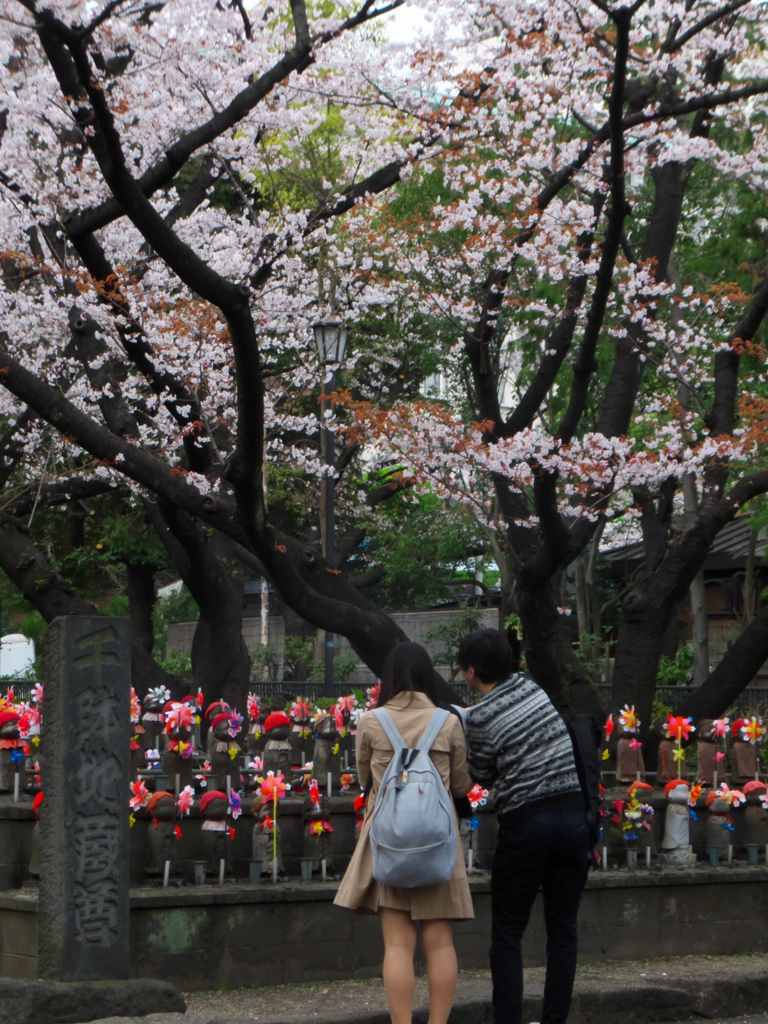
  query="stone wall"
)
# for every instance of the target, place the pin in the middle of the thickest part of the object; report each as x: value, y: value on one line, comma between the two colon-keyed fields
x: 253, y: 935
x: 415, y: 625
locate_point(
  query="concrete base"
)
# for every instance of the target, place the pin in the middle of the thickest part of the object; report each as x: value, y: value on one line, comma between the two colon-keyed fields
x: 238, y: 934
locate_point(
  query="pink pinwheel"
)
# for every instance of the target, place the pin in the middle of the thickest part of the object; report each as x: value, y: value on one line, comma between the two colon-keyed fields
x: 179, y: 717
x: 313, y: 793
x: 719, y: 757
x: 135, y: 706
x: 185, y: 800
x: 339, y: 719
x: 477, y: 796
x: 753, y: 730
x: 737, y: 798
x: 252, y: 707
x: 139, y: 795
x: 720, y: 728
x: 347, y: 703
x: 372, y: 693
x: 37, y: 693
x: 29, y: 722
x: 300, y: 710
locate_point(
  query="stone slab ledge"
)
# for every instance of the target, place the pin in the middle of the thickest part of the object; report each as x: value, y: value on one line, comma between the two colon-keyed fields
x: 66, y: 1002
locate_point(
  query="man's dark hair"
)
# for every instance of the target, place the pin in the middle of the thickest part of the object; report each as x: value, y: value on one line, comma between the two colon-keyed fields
x: 490, y: 654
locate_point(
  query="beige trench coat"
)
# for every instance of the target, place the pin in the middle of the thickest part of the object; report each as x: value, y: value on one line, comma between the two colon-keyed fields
x: 411, y: 713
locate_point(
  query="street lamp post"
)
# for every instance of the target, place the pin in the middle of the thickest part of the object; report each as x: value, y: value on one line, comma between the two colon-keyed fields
x: 331, y: 341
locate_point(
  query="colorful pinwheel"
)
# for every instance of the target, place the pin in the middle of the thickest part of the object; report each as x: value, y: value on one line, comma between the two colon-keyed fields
x: 252, y: 707
x: 139, y: 795
x: 679, y: 728
x: 628, y: 719
x: 753, y: 730
x: 185, y: 800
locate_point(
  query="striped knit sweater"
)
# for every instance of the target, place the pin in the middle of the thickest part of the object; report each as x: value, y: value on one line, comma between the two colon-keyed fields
x: 519, y: 745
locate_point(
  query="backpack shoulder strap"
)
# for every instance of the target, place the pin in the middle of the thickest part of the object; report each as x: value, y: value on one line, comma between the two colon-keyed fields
x: 429, y: 735
x: 385, y: 721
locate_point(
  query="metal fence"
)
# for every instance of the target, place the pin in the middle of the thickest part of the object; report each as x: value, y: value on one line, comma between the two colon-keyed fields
x: 753, y: 699
x: 22, y: 689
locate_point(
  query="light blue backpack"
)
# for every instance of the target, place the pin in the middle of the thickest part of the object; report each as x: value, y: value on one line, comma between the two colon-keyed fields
x: 413, y: 828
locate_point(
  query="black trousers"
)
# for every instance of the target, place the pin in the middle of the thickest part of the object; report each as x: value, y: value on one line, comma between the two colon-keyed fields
x: 543, y: 846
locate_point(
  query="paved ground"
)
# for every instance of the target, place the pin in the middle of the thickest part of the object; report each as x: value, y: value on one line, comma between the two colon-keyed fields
x: 681, y: 988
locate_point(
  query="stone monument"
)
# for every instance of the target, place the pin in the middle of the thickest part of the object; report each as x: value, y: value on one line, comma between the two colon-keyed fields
x: 676, y: 848
x: 278, y: 750
x: 225, y: 752
x: 84, y: 873
x: 11, y: 757
x: 152, y: 718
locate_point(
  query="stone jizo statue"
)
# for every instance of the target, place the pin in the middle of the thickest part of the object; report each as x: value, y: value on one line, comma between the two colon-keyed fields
x: 676, y: 843
x: 278, y: 749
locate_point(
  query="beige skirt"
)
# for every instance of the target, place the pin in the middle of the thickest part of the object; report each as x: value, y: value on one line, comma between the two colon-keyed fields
x: 359, y: 890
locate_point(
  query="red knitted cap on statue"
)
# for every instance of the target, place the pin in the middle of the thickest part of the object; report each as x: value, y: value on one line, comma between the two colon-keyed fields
x: 754, y: 786
x: 207, y: 798
x: 673, y: 784
x: 8, y: 718
x: 225, y: 716
x: 275, y: 720
x: 154, y: 800
x: 216, y: 708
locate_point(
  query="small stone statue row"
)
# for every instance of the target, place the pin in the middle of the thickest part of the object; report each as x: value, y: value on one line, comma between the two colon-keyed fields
x: 171, y: 725
x: 686, y: 805
x: 211, y: 854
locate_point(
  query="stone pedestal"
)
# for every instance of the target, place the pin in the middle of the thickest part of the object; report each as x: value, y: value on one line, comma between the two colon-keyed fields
x: 84, y: 911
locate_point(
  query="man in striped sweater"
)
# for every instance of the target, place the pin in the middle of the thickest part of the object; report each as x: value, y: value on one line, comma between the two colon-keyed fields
x: 520, y: 747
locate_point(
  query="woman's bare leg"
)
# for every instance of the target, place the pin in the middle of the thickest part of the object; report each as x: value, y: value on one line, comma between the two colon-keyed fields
x: 442, y: 968
x: 399, y: 934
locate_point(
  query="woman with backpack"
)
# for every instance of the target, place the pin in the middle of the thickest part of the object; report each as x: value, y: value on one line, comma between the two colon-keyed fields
x: 412, y: 759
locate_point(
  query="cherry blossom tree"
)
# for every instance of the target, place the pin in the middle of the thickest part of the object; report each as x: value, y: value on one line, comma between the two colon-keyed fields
x: 598, y: 379
x: 166, y: 333
x: 147, y: 319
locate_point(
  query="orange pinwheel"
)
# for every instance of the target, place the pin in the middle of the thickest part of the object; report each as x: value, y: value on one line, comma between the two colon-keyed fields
x: 273, y: 787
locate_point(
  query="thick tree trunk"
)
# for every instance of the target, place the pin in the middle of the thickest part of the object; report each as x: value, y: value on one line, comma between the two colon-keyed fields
x: 145, y: 671
x: 638, y: 651
x: 221, y: 665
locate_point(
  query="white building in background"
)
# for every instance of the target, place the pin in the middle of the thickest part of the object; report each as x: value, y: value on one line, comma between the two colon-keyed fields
x: 17, y: 655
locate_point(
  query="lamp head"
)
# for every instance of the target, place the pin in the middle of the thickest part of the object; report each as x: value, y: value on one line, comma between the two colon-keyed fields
x: 331, y: 340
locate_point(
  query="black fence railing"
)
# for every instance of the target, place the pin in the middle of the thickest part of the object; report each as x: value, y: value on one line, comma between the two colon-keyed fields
x: 268, y: 690
x: 22, y: 689
x: 752, y: 700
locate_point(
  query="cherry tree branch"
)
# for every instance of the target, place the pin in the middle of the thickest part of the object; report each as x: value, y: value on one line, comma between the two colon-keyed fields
x: 677, y: 42
x: 133, y: 462
x: 722, y: 415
